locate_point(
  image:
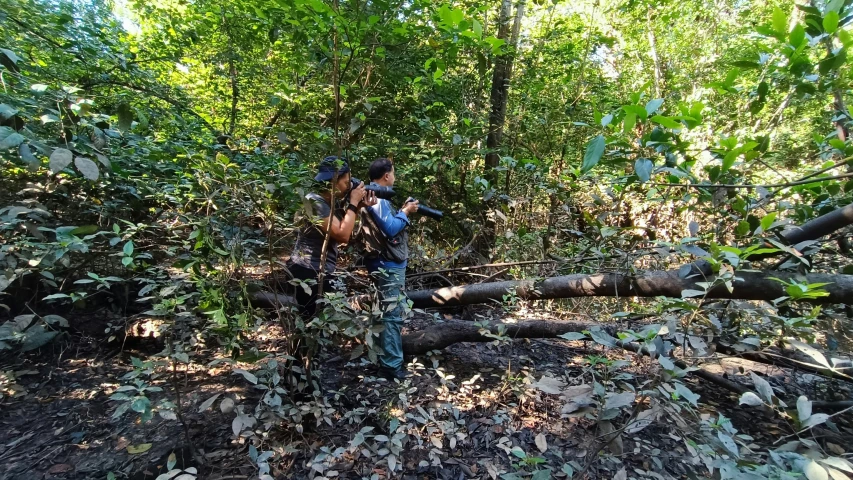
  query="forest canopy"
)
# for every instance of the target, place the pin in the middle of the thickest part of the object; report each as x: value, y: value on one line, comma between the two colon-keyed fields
x: 643, y: 269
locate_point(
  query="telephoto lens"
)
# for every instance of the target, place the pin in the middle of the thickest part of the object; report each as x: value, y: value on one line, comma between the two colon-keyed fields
x: 430, y: 212
x: 386, y: 193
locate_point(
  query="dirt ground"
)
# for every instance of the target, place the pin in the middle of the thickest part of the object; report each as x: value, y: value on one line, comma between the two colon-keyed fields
x: 59, y: 423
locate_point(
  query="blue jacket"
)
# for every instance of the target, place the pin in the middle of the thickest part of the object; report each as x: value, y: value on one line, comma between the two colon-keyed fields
x: 391, y: 223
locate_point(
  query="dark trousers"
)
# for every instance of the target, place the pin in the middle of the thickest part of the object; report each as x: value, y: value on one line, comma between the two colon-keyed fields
x: 307, y: 300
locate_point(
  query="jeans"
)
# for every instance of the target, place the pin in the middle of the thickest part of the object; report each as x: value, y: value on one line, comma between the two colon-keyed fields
x: 390, y: 283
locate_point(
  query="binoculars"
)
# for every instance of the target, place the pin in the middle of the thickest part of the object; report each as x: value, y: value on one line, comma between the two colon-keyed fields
x: 388, y: 193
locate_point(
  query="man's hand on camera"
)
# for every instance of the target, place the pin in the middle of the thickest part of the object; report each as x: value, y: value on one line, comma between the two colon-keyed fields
x: 410, y: 207
x: 369, y: 200
x: 356, y: 195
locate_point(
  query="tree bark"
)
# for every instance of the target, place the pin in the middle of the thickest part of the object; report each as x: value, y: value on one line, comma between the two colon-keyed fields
x: 750, y: 286
x: 820, y: 226
x: 500, y: 86
x: 654, y: 53
x: 447, y: 333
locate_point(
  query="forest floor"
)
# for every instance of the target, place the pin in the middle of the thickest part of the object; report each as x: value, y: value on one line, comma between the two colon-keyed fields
x: 468, y: 409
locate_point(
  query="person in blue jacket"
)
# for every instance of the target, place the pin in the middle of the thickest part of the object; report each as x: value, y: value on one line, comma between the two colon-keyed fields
x: 386, y: 241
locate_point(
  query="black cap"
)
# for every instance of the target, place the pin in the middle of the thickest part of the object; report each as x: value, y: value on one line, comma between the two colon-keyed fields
x: 327, y: 168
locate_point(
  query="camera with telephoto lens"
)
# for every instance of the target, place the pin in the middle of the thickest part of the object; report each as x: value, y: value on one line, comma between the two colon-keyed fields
x: 429, y: 212
x: 386, y: 193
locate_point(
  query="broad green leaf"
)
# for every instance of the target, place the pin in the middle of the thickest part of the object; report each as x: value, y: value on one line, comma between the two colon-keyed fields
x: 477, y: 28
x: 59, y: 159
x: 729, y: 443
x: 667, y: 122
x: 11, y: 141
x: 780, y: 21
x: 751, y: 399
x: 815, y: 420
x: 637, y: 110
x: 768, y: 220
x: 691, y: 293
x: 37, y: 337
x: 813, y: 471
x: 687, y: 394
x: 653, y: 105
x: 247, y: 375
x: 27, y: 156
x: 643, y: 168
x: 128, y: 248
x: 804, y: 408
x: 208, y: 403
x: 6, y: 112
x: 518, y: 452
x: 594, y: 151
x: 628, y: 123
x: 87, y: 167
x: 797, y: 36
x: 830, y: 23
x: 140, y: 404
x: 763, y: 387
x: 810, y: 351
x: 137, y: 449
x: 835, y: 6
x: 573, y: 336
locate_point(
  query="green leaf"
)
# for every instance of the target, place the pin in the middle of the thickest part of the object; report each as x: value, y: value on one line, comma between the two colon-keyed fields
x: 11, y: 141
x: 636, y: 110
x: 59, y: 159
x: 518, y: 452
x: 797, y: 36
x: 594, y: 151
x: 128, y: 248
x: 477, y: 27
x: 653, y: 105
x: 814, y: 471
x: 87, y: 167
x: 573, y: 336
x: 84, y: 230
x: 768, y: 220
x: 751, y: 399
x: 37, y: 337
x: 140, y: 404
x: 643, y: 168
x: 27, y: 156
x: 667, y: 122
x: 137, y: 449
x: 629, y: 122
x: 780, y: 21
x: 804, y: 408
x: 835, y: 6
x: 830, y: 23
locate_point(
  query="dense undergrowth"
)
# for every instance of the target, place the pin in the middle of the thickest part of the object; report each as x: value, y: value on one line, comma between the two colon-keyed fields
x: 133, y: 192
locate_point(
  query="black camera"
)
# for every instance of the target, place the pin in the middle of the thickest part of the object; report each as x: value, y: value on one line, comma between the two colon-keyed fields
x: 429, y: 212
x: 386, y: 193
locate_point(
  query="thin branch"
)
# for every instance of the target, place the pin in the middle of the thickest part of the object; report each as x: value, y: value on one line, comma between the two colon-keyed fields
x: 724, y: 185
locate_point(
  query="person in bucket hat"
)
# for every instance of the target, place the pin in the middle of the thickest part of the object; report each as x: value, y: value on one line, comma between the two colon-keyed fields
x: 333, y: 177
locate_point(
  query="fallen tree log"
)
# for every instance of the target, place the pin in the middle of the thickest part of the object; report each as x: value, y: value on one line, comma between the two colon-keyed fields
x: 443, y: 335
x: 748, y: 286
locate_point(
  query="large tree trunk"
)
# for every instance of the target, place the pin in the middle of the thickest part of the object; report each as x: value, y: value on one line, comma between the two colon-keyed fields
x: 447, y: 333
x: 501, y: 76
x: 750, y: 286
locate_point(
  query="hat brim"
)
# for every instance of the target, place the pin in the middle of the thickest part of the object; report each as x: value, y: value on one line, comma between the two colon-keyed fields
x: 327, y: 176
